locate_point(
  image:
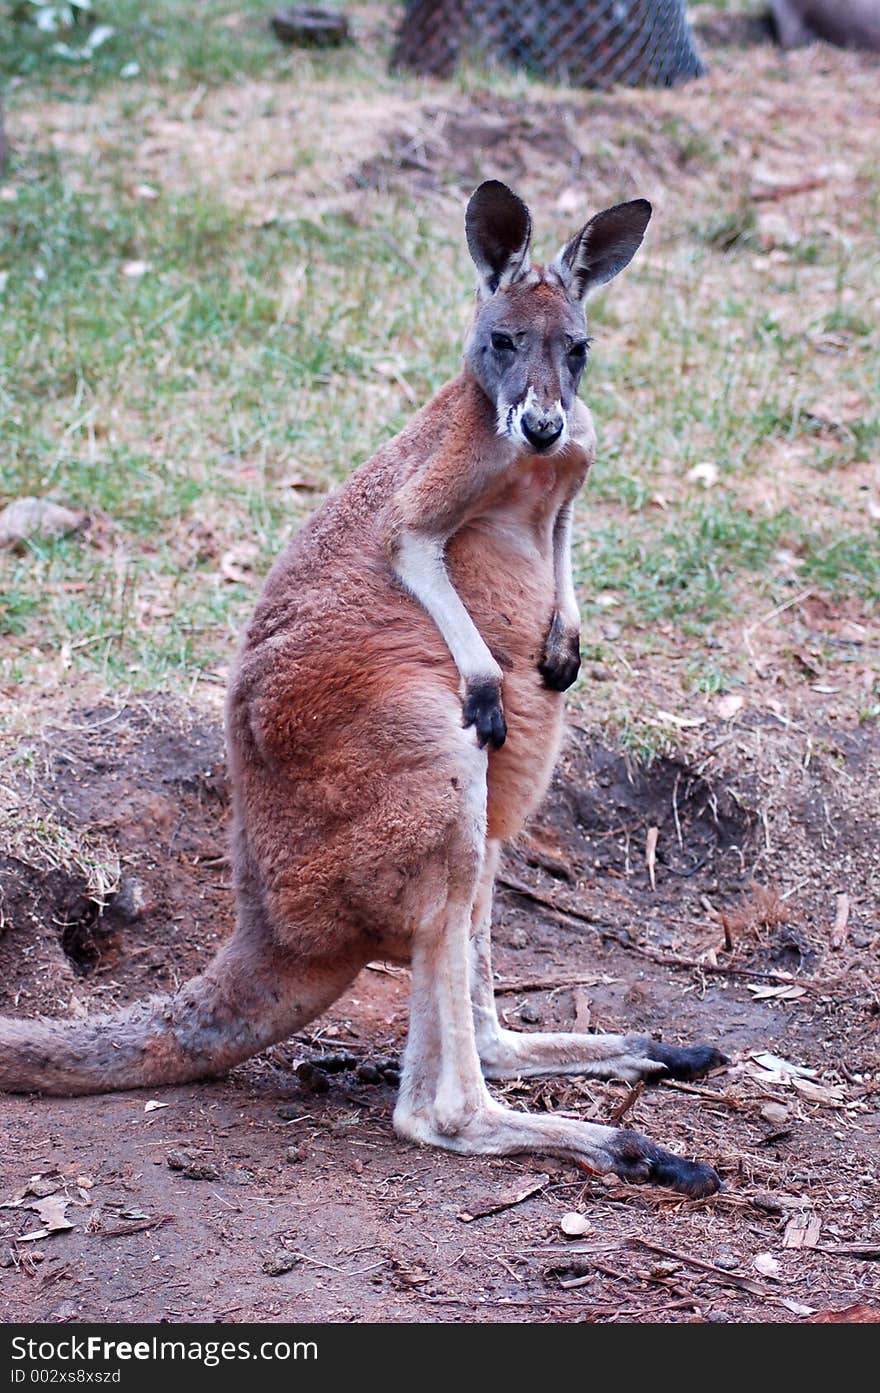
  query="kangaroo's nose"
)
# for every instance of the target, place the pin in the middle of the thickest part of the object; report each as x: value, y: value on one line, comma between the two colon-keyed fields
x: 542, y: 428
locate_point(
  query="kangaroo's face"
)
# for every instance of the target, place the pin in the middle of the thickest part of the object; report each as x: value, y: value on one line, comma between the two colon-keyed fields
x: 527, y: 346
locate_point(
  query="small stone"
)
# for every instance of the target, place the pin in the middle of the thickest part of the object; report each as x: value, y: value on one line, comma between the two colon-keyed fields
x: 296, y: 1154
x: 368, y: 1073
x: 309, y: 26
x: 313, y: 1079
x: 279, y: 1263
x: 202, y: 1170
x: 26, y: 518
x: 191, y: 1167
x: 517, y: 937
x: 233, y: 1177
x: 529, y: 1013
x: 42, y: 1186
x: 776, y: 1114
x: 289, y: 1112
x: 130, y: 900
x: 6, y: 1258
x: 574, y: 1225
x: 392, y: 1076
x: 330, y: 1064
x: 727, y: 1259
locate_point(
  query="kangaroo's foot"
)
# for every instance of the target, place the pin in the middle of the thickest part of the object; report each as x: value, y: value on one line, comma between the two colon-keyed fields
x: 510, y: 1054
x: 443, y: 1098
x: 485, y: 1128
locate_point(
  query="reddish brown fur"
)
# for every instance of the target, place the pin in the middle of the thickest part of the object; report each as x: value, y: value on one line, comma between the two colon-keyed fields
x: 346, y: 692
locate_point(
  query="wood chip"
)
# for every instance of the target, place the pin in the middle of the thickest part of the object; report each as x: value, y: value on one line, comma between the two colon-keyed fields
x: 802, y: 1231
x: 651, y: 854
x: 840, y: 930
x: 497, y: 1204
x: 583, y: 1010
x: 849, y: 1315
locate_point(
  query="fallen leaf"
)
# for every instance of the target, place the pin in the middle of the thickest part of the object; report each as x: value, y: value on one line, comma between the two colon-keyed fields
x: 583, y: 1010
x: 153, y: 1106
x: 300, y: 481
x: 796, y: 1307
x: 25, y: 518
x: 684, y: 722
x: 51, y: 1213
x: 774, y: 1064
x: 766, y: 1264
x: 237, y: 564
x: 788, y: 992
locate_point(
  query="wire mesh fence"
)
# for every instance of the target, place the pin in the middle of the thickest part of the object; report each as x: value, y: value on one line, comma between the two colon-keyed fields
x: 586, y: 43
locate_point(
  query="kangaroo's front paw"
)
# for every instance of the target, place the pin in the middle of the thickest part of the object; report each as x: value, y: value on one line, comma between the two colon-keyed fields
x: 561, y: 660
x: 482, y: 710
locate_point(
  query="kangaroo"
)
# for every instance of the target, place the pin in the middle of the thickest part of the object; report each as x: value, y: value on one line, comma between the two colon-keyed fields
x: 393, y: 719
x: 847, y: 23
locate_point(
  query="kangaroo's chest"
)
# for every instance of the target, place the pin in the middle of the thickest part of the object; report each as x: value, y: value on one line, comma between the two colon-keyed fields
x: 520, y: 514
x: 501, y: 560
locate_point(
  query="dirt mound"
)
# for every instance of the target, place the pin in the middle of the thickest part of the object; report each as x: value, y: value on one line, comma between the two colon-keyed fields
x: 119, y: 857
x: 613, y: 142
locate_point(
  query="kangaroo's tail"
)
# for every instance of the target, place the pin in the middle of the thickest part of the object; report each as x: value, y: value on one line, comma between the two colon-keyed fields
x: 242, y: 1003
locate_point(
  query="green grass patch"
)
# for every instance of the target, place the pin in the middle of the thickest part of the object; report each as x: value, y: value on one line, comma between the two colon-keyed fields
x: 165, y: 41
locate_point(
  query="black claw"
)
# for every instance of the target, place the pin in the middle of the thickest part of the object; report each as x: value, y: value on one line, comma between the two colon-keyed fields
x: 561, y: 662
x: 641, y: 1162
x: 684, y: 1062
x: 482, y: 710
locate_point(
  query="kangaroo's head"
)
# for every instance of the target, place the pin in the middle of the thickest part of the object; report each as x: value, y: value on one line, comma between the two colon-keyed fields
x: 527, y: 346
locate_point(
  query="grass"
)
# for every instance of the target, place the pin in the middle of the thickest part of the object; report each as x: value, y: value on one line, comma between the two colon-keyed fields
x: 195, y: 375
x: 165, y: 41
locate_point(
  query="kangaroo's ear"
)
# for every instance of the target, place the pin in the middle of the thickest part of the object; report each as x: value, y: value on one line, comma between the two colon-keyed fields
x: 499, y: 231
x: 609, y: 242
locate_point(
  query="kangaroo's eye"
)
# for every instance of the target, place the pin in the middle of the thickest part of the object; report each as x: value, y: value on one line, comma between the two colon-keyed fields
x: 503, y: 343
x: 578, y: 352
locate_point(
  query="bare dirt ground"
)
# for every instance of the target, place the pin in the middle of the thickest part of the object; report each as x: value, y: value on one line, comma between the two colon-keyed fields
x: 260, y: 1198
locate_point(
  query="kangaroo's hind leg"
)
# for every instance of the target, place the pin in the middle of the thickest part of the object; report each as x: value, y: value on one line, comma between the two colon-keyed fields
x: 508, y: 1053
x: 443, y: 1097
